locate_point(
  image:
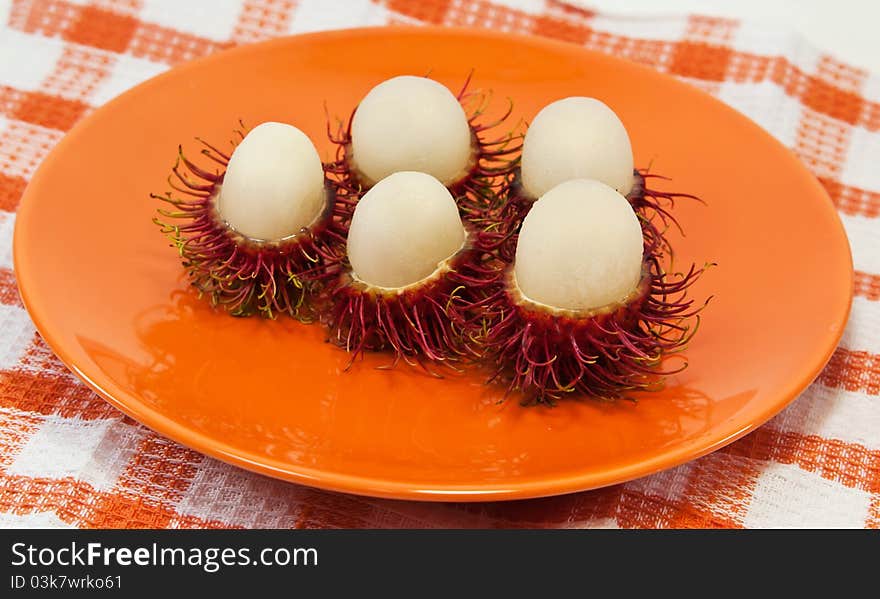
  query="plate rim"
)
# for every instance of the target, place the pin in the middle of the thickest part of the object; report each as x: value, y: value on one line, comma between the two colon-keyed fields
x: 386, y: 488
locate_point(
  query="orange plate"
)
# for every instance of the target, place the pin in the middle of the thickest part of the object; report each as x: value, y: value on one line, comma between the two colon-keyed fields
x: 106, y: 291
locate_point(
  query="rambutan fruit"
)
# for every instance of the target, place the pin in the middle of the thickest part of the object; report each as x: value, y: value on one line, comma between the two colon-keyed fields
x: 414, y: 273
x: 260, y: 231
x: 586, y: 307
x: 409, y: 123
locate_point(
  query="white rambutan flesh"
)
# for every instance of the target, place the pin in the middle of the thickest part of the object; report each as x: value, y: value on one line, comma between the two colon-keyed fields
x: 580, y: 247
x: 576, y: 138
x: 274, y: 183
x: 402, y: 229
x: 411, y: 124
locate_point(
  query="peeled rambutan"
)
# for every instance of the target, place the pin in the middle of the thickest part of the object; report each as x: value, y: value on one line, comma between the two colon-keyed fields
x: 262, y: 230
x: 416, y: 124
x: 414, y: 273
x: 576, y: 138
x: 586, y: 306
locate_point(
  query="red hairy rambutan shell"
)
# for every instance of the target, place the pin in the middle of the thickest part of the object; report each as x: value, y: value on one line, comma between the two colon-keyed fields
x: 241, y: 275
x: 427, y: 322
x: 549, y: 353
x: 653, y: 207
x: 494, y: 159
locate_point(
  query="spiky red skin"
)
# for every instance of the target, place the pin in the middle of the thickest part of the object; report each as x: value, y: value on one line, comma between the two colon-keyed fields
x: 550, y: 354
x: 653, y: 208
x: 241, y: 275
x: 428, y: 323
x: 477, y: 193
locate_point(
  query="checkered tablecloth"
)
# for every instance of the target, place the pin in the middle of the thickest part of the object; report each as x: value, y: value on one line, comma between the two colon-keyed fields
x: 68, y: 459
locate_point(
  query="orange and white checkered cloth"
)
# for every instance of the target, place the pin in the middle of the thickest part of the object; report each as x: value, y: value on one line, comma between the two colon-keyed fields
x: 68, y: 459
